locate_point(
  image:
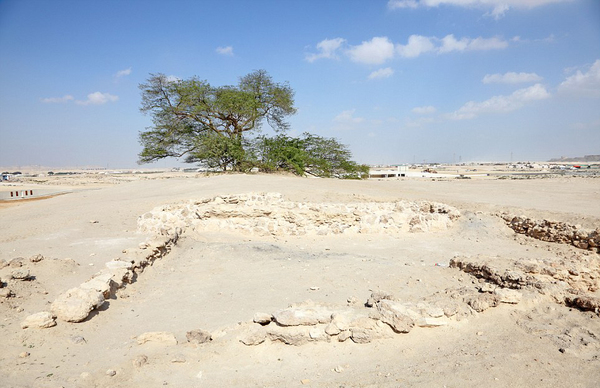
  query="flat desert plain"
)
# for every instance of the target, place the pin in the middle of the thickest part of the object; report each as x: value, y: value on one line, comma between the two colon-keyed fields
x: 280, y: 281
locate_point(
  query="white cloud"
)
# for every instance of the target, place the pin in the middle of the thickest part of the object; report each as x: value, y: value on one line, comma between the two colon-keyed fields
x: 347, y: 117
x: 585, y: 84
x: 380, y: 48
x: 98, y: 98
x: 373, y: 52
x: 227, y: 50
x: 496, y: 104
x: 424, y: 110
x: 382, y: 73
x: 57, y: 100
x: 450, y: 43
x: 497, y: 7
x: 395, y: 4
x: 327, y: 49
x: 122, y: 73
x: 510, y: 78
x: 416, y: 46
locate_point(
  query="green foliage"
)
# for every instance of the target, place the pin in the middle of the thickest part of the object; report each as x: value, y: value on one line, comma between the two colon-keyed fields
x: 211, y: 126
x: 310, y: 154
x: 188, y: 114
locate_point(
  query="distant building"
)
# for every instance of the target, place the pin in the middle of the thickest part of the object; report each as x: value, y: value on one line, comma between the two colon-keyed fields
x: 388, y: 172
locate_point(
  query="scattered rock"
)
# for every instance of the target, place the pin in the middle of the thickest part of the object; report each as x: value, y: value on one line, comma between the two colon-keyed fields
x: 20, y: 274
x: 24, y: 354
x: 5, y: 293
x: 482, y: 302
x: 377, y: 296
x: 36, y: 258
x: 111, y: 372
x: 76, y: 304
x: 198, y: 336
x: 17, y: 262
x: 39, y: 320
x: 157, y: 337
x: 77, y: 339
x: 262, y: 318
x: 140, y: 361
x: 305, y: 381
x: 178, y: 359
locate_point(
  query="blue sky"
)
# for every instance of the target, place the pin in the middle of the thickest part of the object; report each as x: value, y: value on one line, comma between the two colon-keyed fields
x: 398, y: 81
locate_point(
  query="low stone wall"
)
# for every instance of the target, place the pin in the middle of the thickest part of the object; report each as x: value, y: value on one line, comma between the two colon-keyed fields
x: 269, y: 214
x: 554, y: 231
x: 76, y: 304
x: 572, y: 281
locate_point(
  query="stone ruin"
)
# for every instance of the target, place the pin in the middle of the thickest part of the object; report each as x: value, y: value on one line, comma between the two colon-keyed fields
x: 554, y: 231
x: 268, y: 214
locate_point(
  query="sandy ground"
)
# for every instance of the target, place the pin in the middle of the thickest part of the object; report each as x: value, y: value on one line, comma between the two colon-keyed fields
x: 216, y: 281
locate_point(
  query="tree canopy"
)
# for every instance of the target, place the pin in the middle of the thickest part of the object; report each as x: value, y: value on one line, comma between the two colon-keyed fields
x: 217, y: 127
x: 188, y: 113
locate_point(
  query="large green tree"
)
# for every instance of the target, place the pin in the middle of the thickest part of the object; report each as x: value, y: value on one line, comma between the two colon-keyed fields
x: 193, y: 119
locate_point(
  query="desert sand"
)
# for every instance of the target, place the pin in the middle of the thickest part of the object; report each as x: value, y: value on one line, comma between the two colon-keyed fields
x: 377, y: 283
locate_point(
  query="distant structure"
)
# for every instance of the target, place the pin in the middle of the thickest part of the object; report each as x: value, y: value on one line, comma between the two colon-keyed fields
x: 388, y: 172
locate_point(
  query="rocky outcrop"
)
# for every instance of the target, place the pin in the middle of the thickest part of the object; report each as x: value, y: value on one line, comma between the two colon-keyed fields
x: 554, y: 231
x: 571, y: 281
x: 269, y: 214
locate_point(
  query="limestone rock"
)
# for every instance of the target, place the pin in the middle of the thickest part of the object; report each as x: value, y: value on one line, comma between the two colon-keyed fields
x: 377, y: 296
x: 20, y: 274
x: 5, y: 293
x: 396, y: 315
x: 157, y: 337
x: 482, y: 302
x: 332, y: 329
x: 344, y: 335
x: 40, y: 320
x: 36, y: 258
x: 254, y: 337
x: 302, y: 316
x: 317, y: 334
x: 140, y: 361
x: 506, y: 295
x: 289, y: 335
x: 198, y: 336
x: 76, y: 304
x: 432, y: 322
x: 262, y: 318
